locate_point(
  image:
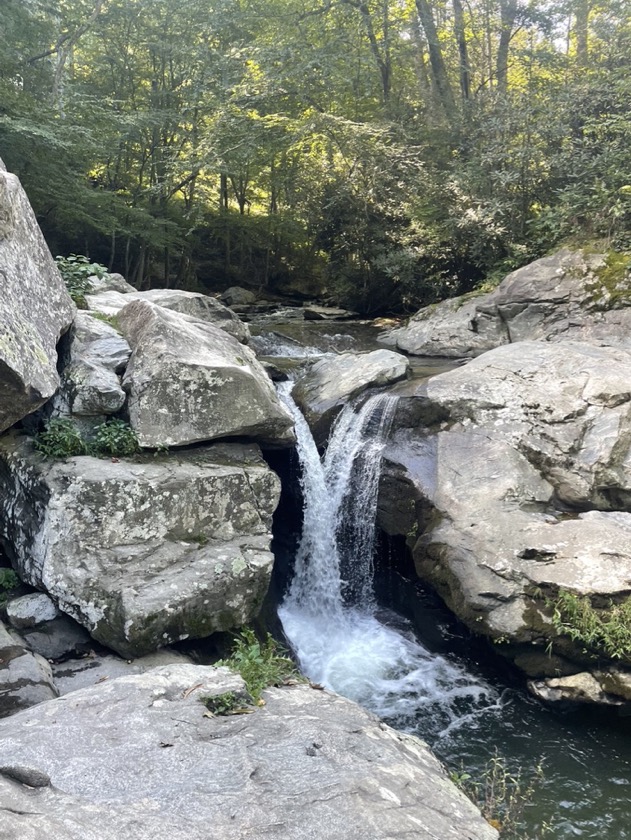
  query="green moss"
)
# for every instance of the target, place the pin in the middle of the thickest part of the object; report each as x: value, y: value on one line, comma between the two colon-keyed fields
x: 611, y: 285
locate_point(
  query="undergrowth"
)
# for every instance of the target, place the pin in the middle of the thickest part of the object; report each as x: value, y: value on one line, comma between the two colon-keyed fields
x: 62, y: 439
x: 502, y: 794
x: 260, y: 663
x: 8, y: 582
x: 605, y: 631
x: 76, y: 271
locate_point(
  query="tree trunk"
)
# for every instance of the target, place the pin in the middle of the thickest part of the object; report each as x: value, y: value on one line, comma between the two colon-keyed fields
x: 436, y: 60
x: 463, y: 52
x: 508, y: 12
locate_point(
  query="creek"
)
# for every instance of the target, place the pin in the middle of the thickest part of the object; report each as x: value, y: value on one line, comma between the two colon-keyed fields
x: 380, y: 638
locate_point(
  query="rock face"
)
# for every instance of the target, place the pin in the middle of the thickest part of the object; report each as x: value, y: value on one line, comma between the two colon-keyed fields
x: 188, y: 382
x: 331, y: 382
x: 570, y: 295
x: 147, y: 552
x: 91, y: 384
x: 25, y: 678
x: 518, y: 486
x: 308, y: 764
x: 35, y: 308
x: 196, y: 305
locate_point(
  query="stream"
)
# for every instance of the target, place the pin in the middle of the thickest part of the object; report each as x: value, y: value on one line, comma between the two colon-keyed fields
x: 418, y: 669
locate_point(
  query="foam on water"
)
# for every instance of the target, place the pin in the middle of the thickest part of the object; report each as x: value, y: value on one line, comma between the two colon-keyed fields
x: 329, y: 614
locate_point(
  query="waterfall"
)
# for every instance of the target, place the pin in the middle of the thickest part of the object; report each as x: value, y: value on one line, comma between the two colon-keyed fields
x: 330, y: 615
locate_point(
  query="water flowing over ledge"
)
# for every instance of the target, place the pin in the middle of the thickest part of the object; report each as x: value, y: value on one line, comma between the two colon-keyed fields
x: 330, y: 614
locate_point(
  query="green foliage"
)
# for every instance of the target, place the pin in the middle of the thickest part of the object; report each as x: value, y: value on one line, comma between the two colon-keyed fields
x: 261, y: 664
x: 76, y: 271
x: 603, y: 631
x: 226, y: 704
x: 502, y: 794
x: 61, y: 439
x: 115, y: 437
x: 8, y: 581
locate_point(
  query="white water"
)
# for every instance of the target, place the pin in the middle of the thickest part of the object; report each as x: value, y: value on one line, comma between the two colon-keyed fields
x: 330, y: 615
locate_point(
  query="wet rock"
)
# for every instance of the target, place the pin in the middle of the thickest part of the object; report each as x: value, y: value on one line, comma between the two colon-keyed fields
x: 520, y: 487
x: 188, y: 382
x: 569, y: 295
x: 146, y: 552
x: 307, y: 764
x: 331, y: 382
x: 35, y: 308
x: 327, y: 313
x: 581, y: 688
x: 193, y: 304
x: 25, y: 678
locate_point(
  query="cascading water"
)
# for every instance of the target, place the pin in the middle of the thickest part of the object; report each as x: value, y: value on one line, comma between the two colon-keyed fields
x: 329, y: 614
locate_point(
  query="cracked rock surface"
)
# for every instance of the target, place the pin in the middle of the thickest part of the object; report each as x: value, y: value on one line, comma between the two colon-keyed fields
x: 140, y: 757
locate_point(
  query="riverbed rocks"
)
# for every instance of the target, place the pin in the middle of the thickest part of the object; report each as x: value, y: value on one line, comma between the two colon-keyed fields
x: 306, y: 764
x: 189, y: 382
x: 570, y: 295
x: 143, y: 552
x: 35, y: 308
x: 331, y: 382
x: 194, y: 304
x: 25, y: 678
x: 516, y: 485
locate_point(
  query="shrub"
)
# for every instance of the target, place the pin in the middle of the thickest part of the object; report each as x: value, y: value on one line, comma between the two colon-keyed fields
x: 115, y: 437
x: 76, y: 271
x: 261, y: 664
x: 605, y: 631
x: 60, y: 439
x: 8, y: 581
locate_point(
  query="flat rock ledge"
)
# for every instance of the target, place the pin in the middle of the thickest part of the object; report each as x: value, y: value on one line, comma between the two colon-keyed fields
x: 140, y: 757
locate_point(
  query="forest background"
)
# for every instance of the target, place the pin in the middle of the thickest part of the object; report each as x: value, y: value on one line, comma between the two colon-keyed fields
x: 383, y: 153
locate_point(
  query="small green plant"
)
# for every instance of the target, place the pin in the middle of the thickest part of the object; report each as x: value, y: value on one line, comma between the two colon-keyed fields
x: 261, y: 664
x: 115, y: 437
x: 605, y: 631
x: 8, y: 581
x: 76, y: 271
x: 228, y: 703
x: 502, y: 794
x: 60, y: 439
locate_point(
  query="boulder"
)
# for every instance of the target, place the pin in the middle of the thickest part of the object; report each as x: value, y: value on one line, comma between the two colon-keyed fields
x: 110, y: 282
x: 238, y: 296
x: 25, y: 678
x: 331, y: 382
x: 35, y: 307
x: 581, y: 688
x: 189, y: 382
x: 140, y: 757
x: 146, y: 552
x: 518, y: 485
x: 327, y: 313
x: 569, y: 295
x: 30, y: 610
x: 198, y: 306
x: 91, y: 384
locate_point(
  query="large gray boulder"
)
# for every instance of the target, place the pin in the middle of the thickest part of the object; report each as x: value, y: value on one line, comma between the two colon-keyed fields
x: 147, y: 552
x: 189, y: 381
x: 140, y: 757
x: 569, y: 295
x: 199, y: 306
x: 331, y: 382
x: 35, y: 307
x: 518, y: 485
x: 25, y: 678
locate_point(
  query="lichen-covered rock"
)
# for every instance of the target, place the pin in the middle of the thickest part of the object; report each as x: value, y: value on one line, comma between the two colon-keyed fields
x: 25, y: 678
x: 30, y: 610
x: 569, y: 295
x: 91, y: 383
x: 194, y: 304
x: 518, y: 486
x: 331, y: 382
x: 35, y: 308
x: 110, y: 283
x: 140, y: 757
x: 146, y: 552
x: 189, y: 381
